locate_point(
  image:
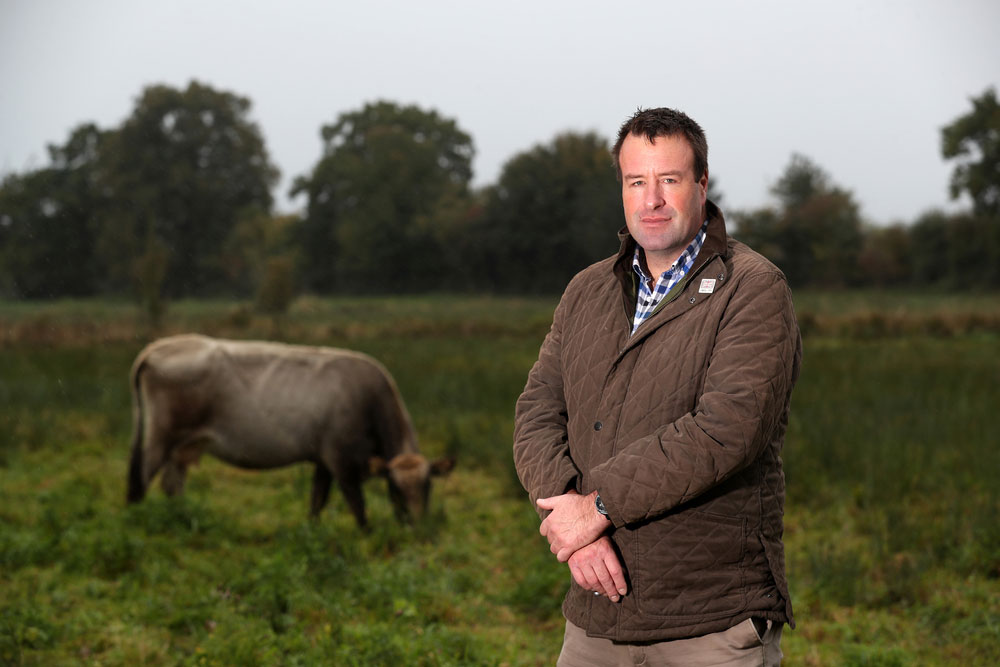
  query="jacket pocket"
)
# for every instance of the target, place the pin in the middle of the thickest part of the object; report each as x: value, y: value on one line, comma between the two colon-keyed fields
x: 690, y: 564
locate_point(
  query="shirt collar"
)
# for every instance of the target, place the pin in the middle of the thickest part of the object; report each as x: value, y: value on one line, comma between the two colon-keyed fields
x: 686, y: 256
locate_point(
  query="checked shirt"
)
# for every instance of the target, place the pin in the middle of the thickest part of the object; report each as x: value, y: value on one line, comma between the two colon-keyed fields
x: 649, y: 299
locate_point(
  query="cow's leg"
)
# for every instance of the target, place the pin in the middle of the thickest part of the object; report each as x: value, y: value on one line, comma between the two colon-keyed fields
x: 320, y: 489
x: 172, y: 479
x: 355, y: 498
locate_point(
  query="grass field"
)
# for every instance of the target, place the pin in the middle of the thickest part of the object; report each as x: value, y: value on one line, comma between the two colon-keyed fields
x: 891, y: 525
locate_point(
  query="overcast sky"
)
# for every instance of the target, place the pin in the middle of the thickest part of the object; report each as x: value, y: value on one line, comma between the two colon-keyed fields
x: 862, y: 87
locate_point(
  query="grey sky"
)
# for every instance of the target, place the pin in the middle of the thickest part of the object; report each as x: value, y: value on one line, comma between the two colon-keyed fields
x: 861, y: 87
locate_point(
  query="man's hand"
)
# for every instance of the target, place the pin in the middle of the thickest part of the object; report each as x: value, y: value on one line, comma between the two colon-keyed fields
x: 573, y: 523
x: 596, y: 567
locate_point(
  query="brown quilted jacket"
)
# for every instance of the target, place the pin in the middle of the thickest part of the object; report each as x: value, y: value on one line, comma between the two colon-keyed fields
x: 680, y: 428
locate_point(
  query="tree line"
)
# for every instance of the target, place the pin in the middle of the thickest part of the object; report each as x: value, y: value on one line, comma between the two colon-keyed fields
x: 177, y: 202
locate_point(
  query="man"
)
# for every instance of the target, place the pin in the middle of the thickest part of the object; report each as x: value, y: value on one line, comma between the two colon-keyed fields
x: 650, y: 428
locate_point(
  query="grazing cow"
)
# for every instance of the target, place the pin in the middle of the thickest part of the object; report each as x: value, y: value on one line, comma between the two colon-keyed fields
x: 264, y: 405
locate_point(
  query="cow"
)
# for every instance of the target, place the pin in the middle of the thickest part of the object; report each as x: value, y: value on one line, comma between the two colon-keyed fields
x: 263, y: 405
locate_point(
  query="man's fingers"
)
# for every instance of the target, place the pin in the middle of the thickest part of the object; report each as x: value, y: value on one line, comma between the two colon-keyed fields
x: 579, y: 577
x: 608, y: 568
x: 596, y: 568
x: 605, y: 584
x: 616, y: 574
x: 587, y: 578
x: 546, y: 503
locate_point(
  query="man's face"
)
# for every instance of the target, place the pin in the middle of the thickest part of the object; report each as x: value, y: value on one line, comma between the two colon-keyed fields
x: 664, y: 204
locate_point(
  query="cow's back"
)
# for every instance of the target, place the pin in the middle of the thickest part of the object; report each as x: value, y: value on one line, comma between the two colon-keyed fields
x: 343, y: 401
x: 183, y: 358
x: 263, y: 404
x: 297, y: 379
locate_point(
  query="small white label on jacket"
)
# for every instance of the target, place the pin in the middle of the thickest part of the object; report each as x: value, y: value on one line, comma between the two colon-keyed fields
x: 707, y: 286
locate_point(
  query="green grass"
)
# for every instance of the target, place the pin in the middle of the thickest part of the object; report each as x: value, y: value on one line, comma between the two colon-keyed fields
x: 906, y: 301
x: 891, y: 531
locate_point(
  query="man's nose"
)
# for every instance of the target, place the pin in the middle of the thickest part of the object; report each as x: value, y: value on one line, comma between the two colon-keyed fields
x: 654, y: 198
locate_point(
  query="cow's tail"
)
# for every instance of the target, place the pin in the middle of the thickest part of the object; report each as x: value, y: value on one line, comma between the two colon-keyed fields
x: 136, y: 483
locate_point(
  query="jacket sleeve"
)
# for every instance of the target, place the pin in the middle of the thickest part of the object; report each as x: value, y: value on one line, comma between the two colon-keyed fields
x: 741, y: 411
x: 541, y: 451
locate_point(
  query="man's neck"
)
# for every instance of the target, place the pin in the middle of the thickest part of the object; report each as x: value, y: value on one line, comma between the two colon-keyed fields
x: 656, y: 263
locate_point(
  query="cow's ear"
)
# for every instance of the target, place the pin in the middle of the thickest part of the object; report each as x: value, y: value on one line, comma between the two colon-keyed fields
x: 442, y: 467
x: 377, y: 466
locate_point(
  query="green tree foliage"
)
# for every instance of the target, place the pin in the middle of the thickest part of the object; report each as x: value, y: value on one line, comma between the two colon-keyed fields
x: 256, y: 239
x: 47, y: 222
x: 388, y: 176
x: 955, y: 251
x: 973, y: 252
x: 974, y: 140
x: 929, y: 239
x: 148, y: 272
x: 815, y: 233
x: 176, y: 201
x: 277, y: 286
x: 886, y: 257
x: 555, y: 209
x: 184, y: 166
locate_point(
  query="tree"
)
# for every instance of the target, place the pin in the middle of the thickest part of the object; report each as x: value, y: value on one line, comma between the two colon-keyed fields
x: 276, y: 289
x: 375, y: 197
x: 47, y: 221
x: 824, y: 237
x: 255, y: 240
x: 184, y: 167
x: 802, y: 180
x: 814, y: 235
x: 148, y: 271
x: 956, y: 251
x: 929, y: 239
x: 761, y: 230
x: 555, y: 209
x: 974, y: 140
x: 886, y: 256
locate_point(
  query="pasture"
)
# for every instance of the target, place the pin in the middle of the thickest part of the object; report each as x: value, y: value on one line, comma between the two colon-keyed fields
x: 891, y: 521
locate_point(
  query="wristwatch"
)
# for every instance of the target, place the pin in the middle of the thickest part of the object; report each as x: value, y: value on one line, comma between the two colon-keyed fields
x: 599, y: 504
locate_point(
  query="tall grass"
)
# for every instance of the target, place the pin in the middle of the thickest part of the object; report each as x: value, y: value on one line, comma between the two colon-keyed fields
x: 891, y: 531
x: 891, y: 465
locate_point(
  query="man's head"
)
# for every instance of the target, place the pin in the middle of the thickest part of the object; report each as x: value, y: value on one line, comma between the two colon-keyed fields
x: 664, y: 183
x: 663, y: 122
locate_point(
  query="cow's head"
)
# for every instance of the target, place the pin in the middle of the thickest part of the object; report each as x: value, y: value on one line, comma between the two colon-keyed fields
x: 409, y: 477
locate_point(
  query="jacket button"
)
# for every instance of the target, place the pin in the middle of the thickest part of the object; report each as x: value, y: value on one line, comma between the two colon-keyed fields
x: 722, y: 276
x: 692, y: 300
x: 598, y: 426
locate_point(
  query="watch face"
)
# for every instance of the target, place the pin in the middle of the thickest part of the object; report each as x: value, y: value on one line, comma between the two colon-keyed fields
x: 600, y: 506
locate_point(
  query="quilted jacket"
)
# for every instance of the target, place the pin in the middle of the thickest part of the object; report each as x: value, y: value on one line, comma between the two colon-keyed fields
x: 679, y: 427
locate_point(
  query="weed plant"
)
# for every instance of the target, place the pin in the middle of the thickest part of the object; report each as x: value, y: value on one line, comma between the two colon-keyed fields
x: 891, y: 461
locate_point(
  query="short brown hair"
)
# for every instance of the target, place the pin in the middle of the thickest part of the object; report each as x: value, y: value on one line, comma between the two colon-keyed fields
x: 664, y: 122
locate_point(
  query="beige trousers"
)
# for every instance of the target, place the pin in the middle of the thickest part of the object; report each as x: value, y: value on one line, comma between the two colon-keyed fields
x: 739, y: 646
